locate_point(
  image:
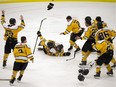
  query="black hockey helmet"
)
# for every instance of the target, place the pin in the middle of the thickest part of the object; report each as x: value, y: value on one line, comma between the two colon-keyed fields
x: 12, y: 21
x: 50, y: 6
x: 69, y: 17
x: 50, y: 44
x: 80, y: 70
x: 98, y: 19
x: 88, y: 20
x: 81, y: 77
x: 85, y: 71
x: 59, y: 47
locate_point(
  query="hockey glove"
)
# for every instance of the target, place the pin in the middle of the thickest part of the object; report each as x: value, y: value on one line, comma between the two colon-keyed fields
x: 32, y: 60
x: 66, y: 54
x: 38, y: 33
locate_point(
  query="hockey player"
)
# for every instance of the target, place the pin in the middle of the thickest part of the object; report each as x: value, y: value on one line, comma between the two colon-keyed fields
x: 74, y: 27
x: 106, y: 34
x: 51, y: 48
x: 105, y: 49
x: 10, y: 36
x: 89, y: 37
x: 22, y: 54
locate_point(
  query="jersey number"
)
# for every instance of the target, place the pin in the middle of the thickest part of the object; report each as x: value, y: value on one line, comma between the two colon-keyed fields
x: 8, y: 33
x: 104, y: 35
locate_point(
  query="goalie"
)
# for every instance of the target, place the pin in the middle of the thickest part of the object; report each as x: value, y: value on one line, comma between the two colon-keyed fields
x: 50, y: 47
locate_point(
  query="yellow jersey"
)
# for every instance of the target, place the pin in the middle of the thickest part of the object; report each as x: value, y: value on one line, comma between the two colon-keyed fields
x: 90, y: 33
x: 11, y: 31
x: 73, y: 26
x: 103, y: 46
x: 22, y: 53
x: 105, y: 34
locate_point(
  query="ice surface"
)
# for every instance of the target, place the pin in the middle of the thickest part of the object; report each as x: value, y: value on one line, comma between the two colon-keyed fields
x: 49, y: 71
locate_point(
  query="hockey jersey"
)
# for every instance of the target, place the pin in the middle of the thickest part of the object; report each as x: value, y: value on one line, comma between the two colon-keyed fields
x: 104, y: 34
x: 11, y: 31
x: 90, y: 33
x: 22, y: 53
x: 103, y: 46
x: 73, y: 26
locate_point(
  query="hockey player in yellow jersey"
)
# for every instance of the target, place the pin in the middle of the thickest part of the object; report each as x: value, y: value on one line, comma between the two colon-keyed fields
x: 89, y: 36
x: 106, y: 34
x: 75, y: 29
x: 22, y: 54
x: 11, y: 33
x: 51, y: 48
x: 105, y: 49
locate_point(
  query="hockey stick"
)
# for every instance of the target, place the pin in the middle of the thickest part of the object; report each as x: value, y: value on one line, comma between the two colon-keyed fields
x: 72, y: 58
x: 37, y: 36
x: 4, y: 79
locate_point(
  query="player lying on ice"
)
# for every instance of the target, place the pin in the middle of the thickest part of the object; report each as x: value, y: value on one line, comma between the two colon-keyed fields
x: 50, y: 47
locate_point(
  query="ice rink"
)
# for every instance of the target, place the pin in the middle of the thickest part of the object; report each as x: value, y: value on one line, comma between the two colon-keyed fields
x: 47, y: 71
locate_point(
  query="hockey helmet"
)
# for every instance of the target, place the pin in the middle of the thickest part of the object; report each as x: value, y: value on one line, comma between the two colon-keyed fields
x: 50, y: 6
x: 81, y: 77
x: 69, y: 17
x: 80, y: 70
x: 85, y: 71
x: 12, y: 21
x: 50, y: 44
x: 88, y: 20
x: 59, y: 47
x: 98, y: 19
